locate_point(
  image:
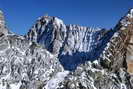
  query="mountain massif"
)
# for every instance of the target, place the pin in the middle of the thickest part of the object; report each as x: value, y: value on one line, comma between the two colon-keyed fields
x: 53, y: 55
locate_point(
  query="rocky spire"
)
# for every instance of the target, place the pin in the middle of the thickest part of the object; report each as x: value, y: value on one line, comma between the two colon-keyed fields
x: 2, y: 21
x: 3, y: 29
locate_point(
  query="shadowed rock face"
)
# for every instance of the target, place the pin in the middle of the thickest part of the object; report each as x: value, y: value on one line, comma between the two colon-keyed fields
x: 96, y: 56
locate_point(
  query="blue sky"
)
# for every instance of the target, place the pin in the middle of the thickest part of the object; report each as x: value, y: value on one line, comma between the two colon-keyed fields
x: 22, y: 14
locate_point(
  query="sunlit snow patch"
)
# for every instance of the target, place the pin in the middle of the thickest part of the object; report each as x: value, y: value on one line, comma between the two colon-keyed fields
x: 54, y: 82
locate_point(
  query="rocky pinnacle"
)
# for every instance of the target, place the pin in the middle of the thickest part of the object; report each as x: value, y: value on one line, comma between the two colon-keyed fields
x: 3, y: 29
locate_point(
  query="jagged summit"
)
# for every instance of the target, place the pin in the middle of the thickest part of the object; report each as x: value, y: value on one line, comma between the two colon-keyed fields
x: 49, y: 19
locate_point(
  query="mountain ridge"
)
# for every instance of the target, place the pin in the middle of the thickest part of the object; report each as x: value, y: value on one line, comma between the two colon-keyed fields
x: 55, y: 56
x: 47, y: 26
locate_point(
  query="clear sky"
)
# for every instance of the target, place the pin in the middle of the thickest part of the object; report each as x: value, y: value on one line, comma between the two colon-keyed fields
x: 22, y: 14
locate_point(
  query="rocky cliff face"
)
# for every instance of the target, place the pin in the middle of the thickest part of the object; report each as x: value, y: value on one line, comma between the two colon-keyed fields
x: 57, y: 56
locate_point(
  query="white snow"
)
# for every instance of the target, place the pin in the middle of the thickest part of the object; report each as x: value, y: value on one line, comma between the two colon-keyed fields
x: 92, y: 82
x: 125, y: 23
x: 6, y: 77
x: 116, y: 34
x: 96, y: 62
x: 54, y: 82
x: 123, y: 28
x: 123, y: 86
x: 83, y: 77
x: 58, y: 22
x: 15, y: 85
x: 2, y: 85
x: 130, y: 15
